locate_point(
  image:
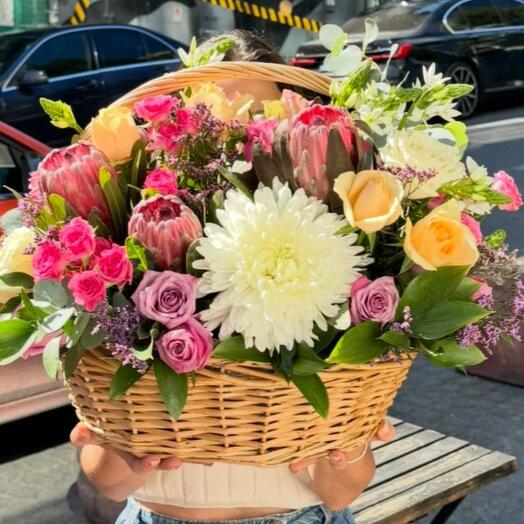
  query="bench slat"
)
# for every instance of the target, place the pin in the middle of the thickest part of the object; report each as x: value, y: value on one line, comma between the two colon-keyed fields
x: 398, y: 448
x: 432, y: 495
x: 403, y: 429
x: 452, y: 459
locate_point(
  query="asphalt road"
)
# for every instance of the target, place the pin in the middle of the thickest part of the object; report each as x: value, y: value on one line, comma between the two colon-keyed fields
x: 497, y: 141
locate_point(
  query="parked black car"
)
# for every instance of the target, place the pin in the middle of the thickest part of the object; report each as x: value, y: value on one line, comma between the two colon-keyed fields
x: 479, y: 42
x: 88, y: 67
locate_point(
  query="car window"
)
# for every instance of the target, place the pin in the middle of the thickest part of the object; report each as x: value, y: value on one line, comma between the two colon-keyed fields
x: 62, y: 55
x: 156, y: 50
x: 11, y: 47
x: 10, y: 174
x: 457, y: 20
x: 117, y: 47
x: 480, y: 14
x: 512, y: 11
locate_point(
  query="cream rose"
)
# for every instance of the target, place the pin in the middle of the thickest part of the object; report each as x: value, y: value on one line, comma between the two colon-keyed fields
x: 441, y: 239
x: 13, y: 258
x: 423, y: 153
x: 114, y: 132
x: 221, y: 107
x: 372, y: 199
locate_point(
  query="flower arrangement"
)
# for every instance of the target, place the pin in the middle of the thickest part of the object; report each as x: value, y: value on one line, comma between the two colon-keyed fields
x: 304, y: 235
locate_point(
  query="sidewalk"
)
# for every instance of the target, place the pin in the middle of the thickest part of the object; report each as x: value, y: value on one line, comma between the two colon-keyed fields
x: 37, y: 489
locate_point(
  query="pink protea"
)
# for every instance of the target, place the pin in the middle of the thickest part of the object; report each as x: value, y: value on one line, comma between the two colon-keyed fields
x: 309, y: 135
x: 166, y: 227
x: 72, y: 172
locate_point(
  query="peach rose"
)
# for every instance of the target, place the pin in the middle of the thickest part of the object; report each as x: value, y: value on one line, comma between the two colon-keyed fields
x: 114, y: 132
x: 441, y: 239
x: 372, y: 199
x: 221, y: 107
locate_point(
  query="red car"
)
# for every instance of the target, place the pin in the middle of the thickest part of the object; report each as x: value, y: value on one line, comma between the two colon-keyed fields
x: 25, y: 389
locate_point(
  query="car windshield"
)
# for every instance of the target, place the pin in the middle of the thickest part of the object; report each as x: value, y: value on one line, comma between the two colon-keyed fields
x: 12, y: 46
x: 395, y: 15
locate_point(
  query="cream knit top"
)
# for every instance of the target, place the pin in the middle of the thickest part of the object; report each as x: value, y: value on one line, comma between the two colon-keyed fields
x: 229, y: 486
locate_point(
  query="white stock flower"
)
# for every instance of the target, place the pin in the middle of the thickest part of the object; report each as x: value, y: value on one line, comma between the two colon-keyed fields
x: 278, y: 266
x: 417, y: 150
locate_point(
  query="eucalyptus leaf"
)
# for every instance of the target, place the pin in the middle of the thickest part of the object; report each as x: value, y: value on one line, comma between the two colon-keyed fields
x: 57, y: 320
x: 11, y: 220
x: 172, y: 387
x: 92, y: 336
x: 51, y: 357
x: 314, y: 392
x: 123, y: 379
x: 81, y: 322
x: 53, y: 292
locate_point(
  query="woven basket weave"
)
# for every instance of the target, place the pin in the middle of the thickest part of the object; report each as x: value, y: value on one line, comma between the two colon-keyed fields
x: 240, y: 413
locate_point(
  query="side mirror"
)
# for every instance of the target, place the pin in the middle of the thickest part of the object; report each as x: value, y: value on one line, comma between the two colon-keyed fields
x: 31, y: 77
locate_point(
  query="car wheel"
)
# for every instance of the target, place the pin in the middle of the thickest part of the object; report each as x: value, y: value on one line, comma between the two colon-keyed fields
x: 462, y: 73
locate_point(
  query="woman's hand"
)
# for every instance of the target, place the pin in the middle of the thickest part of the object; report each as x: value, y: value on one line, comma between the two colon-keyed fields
x: 82, y: 436
x: 339, y: 478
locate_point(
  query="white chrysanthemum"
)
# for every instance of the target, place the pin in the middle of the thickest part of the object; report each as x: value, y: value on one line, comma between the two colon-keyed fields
x: 278, y: 266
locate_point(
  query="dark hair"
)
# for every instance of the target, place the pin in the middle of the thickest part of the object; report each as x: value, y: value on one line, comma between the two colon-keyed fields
x: 248, y: 47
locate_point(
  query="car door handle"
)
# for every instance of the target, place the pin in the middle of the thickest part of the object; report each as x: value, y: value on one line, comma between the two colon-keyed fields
x: 89, y: 85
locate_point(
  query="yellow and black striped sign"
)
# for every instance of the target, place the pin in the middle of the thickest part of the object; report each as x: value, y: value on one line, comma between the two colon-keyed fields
x: 267, y: 13
x: 80, y: 12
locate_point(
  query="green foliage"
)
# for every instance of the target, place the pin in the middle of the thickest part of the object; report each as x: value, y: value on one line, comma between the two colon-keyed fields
x: 307, y: 362
x: 234, y: 349
x: 57, y: 320
x: 470, y: 189
x: 459, y: 132
x: 314, y: 392
x: 447, y: 353
x: 193, y: 255
x: 123, y: 379
x: 14, y: 336
x: 51, y: 357
x: 137, y: 253
x: 92, y: 336
x: 172, y: 387
x: 396, y: 339
x: 101, y: 228
x: 115, y: 201
x: 72, y: 357
x: 52, y: 292
x: 496, y: 239
x: 10, y: 305
x: 234, y: 181
x: 18, y: 279
x: 359, y: 345
x: 61, y: 114
x: 198, y: 56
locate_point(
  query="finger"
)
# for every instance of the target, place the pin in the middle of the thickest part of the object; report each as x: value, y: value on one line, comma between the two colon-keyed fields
x: 385, y: 432
x: 297, y: 467
x: 170, y: 463
x: 145, y: 464
x: 81, y: 435
x: 338, y: 459
x: 207, y: 464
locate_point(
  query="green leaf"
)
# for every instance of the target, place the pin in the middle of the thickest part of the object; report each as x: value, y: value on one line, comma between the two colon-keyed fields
x: 10, y: 305
x: 346, y: 230
x: 115, y: 200
x: 445, y: 318
x: 14, y: 334
x: 18, y: 279
x: 439, y: 285
x: 123, y: 379
x: 359, y: 345
x: 172, y: 387
x: 396, y: 339
x: 81, y: 322
x: 51, y: 357
x: 61, y: 209
x: 102, y: 230
x: 147, y: 353
x: 370, y: 34
x: 92, y: 337
x: 72, y: 357
x: 52, y: 292
x: 465, y: 290
x: 325, y: 337
x: 234, y: 349
x: 56, y: 321
x: 282, y: 362
x: 137, y: 252
x: 330, y: 35
x: 307, y: 361
x: 459, y: 132
x: 453, y: 355
x: 216, y: 203
x: 314, y: 392
x: 61, y: 114
x: 235, y: 181
x: 29, y: 311
x: 11, y: 220
x: 496, y: 239
x: 192, y: 255
x: 139, y: 164
x: 120, y: 300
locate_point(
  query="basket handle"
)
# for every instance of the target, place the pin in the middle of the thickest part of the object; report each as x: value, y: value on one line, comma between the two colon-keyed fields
x: 281, y: 73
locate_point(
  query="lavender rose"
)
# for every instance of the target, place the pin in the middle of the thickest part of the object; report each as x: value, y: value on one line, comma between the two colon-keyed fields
x: 186, y: 348
x: 167, y: 297
x: 373, y: 300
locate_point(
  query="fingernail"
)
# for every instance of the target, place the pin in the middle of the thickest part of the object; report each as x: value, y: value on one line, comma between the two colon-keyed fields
x: 154, y: 462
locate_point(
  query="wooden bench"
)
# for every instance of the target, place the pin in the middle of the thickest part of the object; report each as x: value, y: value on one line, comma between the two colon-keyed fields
x: 423, y: 471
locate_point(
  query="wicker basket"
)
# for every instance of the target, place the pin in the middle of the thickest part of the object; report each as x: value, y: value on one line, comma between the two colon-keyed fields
x: 237, y: 412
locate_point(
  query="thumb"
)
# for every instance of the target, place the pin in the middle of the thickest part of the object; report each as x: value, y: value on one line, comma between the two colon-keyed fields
x: 81, y: 435
x: 338, y: 460
x: 145, y: 464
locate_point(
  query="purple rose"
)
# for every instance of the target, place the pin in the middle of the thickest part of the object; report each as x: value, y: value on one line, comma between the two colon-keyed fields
x: 167, y: 297
x: 375, y: 300
x: 186, y: 348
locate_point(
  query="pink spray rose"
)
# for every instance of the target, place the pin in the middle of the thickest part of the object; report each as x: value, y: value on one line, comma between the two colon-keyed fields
x: 78, y: 238
x: 375, y: 300
x: 473, y: 225
x: 88, y: 289
x: 484, y: 293
x: 38, y: 347
x: 162, y: 180
x: 506, y: 185
x: 186, y: 348
x: 155, y: 108
x: 166, y: 227
x: 436, y: 201
x: 260, y: 132
x: 101, y: 244
x: 49, y: 261
x: 167, y: 297
x: 114, y: 267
